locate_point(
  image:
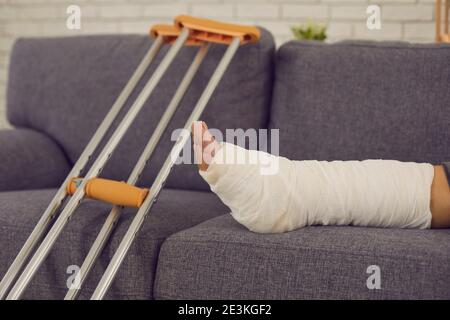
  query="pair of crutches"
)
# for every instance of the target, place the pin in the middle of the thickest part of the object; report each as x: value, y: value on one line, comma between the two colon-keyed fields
x: 185, y: 31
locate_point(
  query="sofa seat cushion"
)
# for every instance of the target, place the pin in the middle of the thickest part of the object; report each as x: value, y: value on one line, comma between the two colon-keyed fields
x: 220, y: 259
x: 174, y: 211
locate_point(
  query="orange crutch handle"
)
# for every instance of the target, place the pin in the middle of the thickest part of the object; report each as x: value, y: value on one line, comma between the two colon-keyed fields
x: 170, y: 33
x: 114, y: 192
x: 215, y: 31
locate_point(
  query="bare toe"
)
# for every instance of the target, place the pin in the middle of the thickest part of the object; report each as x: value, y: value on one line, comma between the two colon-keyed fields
x: 205, y: 145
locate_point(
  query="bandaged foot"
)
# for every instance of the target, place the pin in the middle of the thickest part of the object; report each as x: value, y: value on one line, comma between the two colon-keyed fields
x: 377, y: 193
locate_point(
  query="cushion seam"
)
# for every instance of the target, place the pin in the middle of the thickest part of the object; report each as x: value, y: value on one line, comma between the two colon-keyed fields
x: 252, y: 245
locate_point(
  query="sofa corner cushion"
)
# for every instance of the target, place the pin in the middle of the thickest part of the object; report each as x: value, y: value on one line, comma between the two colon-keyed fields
x: 357, y: 100
x: 220, y: 259
x: 30, y: 160
x: 174, y: 211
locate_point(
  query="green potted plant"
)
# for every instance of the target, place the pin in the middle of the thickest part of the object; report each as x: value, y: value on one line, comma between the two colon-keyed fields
x: 310, y: 31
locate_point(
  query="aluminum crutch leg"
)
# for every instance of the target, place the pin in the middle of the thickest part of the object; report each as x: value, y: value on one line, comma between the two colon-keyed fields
x: 60, y: 195
x: 48, y: 242
x: 114, y: 215
x: 156, y: 187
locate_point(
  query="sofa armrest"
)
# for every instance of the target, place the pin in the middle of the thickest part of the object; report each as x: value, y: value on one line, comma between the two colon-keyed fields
x: 30, y: 160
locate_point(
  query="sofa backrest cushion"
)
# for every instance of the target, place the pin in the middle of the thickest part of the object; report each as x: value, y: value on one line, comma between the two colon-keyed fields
x: 64, y: 87
x: 363, y: 100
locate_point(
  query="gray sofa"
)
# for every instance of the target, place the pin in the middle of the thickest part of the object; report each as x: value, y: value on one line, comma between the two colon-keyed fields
x: 349, y: 100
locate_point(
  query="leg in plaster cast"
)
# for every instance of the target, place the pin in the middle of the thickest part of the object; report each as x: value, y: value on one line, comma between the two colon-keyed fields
x: 378, y: 193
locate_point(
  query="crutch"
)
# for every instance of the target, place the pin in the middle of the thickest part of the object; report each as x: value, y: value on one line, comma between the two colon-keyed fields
x: 51, y: 211
x: 170, y: 33
x: 205, y: 30
x: 96, y: 168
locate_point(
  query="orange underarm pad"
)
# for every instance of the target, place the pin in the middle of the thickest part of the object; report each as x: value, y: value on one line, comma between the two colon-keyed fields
x: 376, y: 193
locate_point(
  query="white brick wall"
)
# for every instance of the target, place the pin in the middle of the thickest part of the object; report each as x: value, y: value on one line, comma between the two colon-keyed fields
x: 410, y: 20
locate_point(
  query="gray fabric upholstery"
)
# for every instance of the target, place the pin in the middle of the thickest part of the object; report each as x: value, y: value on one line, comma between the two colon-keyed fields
x: 176, y: 210
x: 352, y: 100
x: 220, y: 259
x: 65, y: 86
x: 30, y: 160
x: 447, y: 171
x: 360, y: 100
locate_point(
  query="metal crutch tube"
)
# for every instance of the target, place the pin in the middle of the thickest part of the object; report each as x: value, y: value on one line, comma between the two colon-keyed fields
x: 157, y: 185
x: 60, y: 195
x: 48, y: 242
x: 115, y: 212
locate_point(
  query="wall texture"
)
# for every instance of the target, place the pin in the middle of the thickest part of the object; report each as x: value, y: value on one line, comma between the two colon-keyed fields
x: 410, y: 20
